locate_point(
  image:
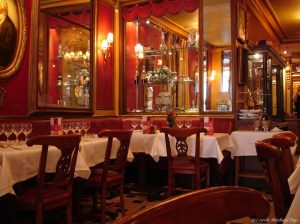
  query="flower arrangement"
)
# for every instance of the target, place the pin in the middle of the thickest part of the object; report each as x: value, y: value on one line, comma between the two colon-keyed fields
x: 161, y: 75
x: 171, y: 118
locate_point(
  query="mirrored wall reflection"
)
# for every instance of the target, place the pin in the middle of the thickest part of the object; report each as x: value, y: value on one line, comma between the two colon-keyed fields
x: 161, y: 63
x: 64, y: 68
x: 217, y: 64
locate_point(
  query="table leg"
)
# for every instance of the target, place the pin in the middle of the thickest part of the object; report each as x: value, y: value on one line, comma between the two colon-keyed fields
x: 237, y: 170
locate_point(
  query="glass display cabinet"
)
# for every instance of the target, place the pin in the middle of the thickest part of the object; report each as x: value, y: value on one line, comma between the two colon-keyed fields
x: 163, y: 66
x: 61, y: 72
x: 161, y: 62
x: 265, y: 80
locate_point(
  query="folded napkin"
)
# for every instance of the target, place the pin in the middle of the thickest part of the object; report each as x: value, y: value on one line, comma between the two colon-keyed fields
x: 276, y: 129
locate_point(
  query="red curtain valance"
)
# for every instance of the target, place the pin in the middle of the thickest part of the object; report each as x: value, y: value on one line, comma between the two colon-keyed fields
x: 143, y: 11
x: 82, y: 18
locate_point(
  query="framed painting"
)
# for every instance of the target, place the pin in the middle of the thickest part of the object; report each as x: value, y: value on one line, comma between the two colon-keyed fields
x: 241, y: 23
x: 13, y: 35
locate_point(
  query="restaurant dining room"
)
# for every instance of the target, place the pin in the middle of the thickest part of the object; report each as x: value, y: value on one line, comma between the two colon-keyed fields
x: 149, y: 111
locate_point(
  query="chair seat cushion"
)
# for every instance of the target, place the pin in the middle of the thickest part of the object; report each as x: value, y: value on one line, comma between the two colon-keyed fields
x: 188, y: 167
x: 113, y: 178
x: 53, y: 197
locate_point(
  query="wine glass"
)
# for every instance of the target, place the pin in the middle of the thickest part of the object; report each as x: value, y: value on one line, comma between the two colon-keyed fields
x: 7, y: 128
x: 73, y: 127
x: 66, y: 127
x: 179, y: 123
x: 134, y: 124
x: 86, y: 126
x: 27, y: 129
x: 80, y: 127
x: 1, y: 131
x: 188, y: 124
x: 17, y: 129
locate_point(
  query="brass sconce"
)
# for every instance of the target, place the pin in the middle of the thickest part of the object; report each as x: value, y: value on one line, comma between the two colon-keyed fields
x: 106, y: 46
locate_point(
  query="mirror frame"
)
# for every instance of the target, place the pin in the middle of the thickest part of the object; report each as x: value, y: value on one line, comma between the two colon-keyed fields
x: 20, y: 45
x: 33, y: 107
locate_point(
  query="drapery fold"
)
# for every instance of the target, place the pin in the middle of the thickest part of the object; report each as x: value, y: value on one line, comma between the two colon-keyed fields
x: 82, y: 19
x: 158, y: 9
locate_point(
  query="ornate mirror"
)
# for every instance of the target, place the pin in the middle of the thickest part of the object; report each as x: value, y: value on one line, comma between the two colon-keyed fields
x: 217, y: 63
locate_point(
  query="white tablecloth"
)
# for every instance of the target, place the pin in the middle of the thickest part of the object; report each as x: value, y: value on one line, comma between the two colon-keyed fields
x: 211, y: 146
x: 245, y: 141
x: 19, y: 163
x: 293, y: 215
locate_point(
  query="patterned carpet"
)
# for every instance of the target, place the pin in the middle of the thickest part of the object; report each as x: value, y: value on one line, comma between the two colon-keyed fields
x: 134, y: 201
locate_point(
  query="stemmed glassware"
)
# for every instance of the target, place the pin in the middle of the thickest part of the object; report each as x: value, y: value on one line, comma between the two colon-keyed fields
x: 66, y: 127
x: 179, y: 123
x: 134, y: 124
x: 1, y: 130
x: 17, y: 129
x: 73, y: 127
x: 188, y: 124
x: 27, y: 129
x: 7, y: 128
x: 86, y: 126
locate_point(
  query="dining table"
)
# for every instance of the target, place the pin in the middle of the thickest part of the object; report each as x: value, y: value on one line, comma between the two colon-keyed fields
x: 245, y: 147
x: 211, y: 146
x: 19, y: 162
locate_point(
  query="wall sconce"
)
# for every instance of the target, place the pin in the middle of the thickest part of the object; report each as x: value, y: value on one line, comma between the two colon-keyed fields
x: 139, y: 51
x: 106, y: 46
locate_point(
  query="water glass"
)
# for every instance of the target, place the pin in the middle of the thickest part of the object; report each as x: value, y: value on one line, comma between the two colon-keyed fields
x: 134, y: 124
x: 179, y: 123
x: 188, y: 124
x: 17, y: 129
x: 7, y: 128
x: 66, y: 127
x: 27, y: 129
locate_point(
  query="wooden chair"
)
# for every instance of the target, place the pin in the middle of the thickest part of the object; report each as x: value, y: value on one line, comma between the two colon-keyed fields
x: 58, y: 192
x: 210, y: 206
x: 288, y: 157
x: 112, y: 174
x: 272, y: 160
x: 284, y: 143
x: 182, y: 163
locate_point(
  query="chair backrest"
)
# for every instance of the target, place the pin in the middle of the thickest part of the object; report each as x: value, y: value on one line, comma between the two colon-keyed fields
x: 271, y: 158
x: 284, y: 144
x: 287, y: 134
x: 65, y: 167
x: 181, y: 135
x: 119, y: 163
x: 210, y: 206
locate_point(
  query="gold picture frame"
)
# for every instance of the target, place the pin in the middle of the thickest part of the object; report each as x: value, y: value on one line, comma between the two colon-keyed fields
x: 14, y: 48
x: 241, y: 23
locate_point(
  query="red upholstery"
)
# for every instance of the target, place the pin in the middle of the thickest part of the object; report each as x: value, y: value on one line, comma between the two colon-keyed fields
x: 42, y: 126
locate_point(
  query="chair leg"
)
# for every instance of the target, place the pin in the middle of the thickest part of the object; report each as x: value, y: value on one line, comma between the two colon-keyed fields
x: 170, y: 183
x: 197, y: 181
x: 207, y: 177
x: 39, y: 215
x: 103, y: 205
x: 122, y: 199
x: 95, y: 199
x: 69, y: 212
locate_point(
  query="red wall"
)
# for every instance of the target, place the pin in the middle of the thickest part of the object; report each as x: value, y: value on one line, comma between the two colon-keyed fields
x: 104, y: 76
x: 16, y: 99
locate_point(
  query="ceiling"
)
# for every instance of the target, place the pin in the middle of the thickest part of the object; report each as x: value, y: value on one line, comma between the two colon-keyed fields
x: 287, y: 13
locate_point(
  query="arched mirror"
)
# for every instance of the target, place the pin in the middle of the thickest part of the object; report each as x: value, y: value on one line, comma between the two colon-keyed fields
x: 161, y: 56
x: 217, y: 63
x: 62, y: 56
